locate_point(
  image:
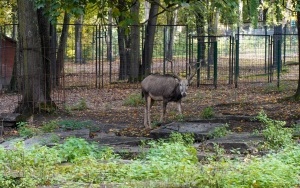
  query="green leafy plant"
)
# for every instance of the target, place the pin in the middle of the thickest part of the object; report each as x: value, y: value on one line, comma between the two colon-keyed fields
x: 50, y: 126
x: 27, y: 130
x: 80, y: 106
x: 218, y: 132
x: 275, y: 134
x: 134, y: 100
x: 74, y: 148
x: 207, y: 113
x: 73, y: 124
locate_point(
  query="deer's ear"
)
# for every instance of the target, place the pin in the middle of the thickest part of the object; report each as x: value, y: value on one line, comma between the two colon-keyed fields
x: 177, y: 80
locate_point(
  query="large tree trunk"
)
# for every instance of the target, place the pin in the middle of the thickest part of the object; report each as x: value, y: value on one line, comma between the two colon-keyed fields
x: 122, y: 51
x: 171, y: 21
x: 109, y: 53
x: 297, y: 94
x: 149, y: 38
x: 34, y: 68
x: 135, y: 44
x: 123, y: 43
x: 78, y: 36
x: 200, y: 24
x: 61, y: 48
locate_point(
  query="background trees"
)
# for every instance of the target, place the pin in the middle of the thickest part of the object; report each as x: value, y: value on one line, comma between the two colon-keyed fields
x: 36, y: 36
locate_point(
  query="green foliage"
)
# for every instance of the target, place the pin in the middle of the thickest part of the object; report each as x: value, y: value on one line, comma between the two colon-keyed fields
x: 184, y: 138
x: 134, y: 100
x: 272, y: 87
x: 207, y: 113
x: 50, y: 126
x: 27, y: 130
x: 275, y: 134
x: 219, y: 131
x: 171, y: 162
x: 75, y: 148
x: 80, y: 106
x: 73, y: 124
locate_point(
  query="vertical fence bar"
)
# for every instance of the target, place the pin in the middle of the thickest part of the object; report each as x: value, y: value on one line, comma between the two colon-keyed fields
x: 236, y: 74
x: 278, y: 62
x: 270, y: 60
x: 284, y: 44
x: 164, y: 49
x: 215, y: 63
x: 198, y: 60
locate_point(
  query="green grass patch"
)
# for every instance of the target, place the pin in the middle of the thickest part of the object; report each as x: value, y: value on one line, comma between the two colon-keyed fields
x: 73, y: 124
x: 134, y: 100
x: 168, y: 162
x: 207, y: 113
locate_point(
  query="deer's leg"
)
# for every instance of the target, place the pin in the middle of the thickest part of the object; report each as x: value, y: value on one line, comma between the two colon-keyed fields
x: 179, y: 107
x: 146, y: 115
x: 149, y: 105
x: 162, y: 117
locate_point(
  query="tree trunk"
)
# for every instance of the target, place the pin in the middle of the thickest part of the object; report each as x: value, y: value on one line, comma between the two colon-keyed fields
x: 149, y: 38
x: 297, y: 94
x: 61, y: 48
x: 34, y: 68
x: 135, y: 44
x: 123, y: 43
x: 78, y: 44
x: 171, y: 21
x: 200, y: 24
x: 108, y: 38
x: 122, y: 51
x: 277, y: 38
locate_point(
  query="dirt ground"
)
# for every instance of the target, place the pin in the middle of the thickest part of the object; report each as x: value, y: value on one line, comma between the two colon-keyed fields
x: 106, y: 106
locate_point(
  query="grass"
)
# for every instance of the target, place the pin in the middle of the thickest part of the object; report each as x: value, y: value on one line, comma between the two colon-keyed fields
x: 170, y: 162
x: 207, y: 113
x: 134, y: 100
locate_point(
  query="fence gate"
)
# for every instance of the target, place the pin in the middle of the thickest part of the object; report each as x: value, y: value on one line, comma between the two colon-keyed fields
x: 253, y: 59
x: 214, y: 55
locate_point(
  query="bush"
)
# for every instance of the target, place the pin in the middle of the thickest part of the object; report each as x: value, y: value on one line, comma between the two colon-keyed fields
x: 219, y: 131
x: 275, y: 134
x: 207, y: 113
x: 134, y: 100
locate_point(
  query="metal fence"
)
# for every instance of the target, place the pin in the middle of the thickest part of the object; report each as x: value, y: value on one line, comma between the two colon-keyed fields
x: 229, y: 59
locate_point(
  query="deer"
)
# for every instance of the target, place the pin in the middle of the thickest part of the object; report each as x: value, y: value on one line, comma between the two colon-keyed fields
x: 166, y: 88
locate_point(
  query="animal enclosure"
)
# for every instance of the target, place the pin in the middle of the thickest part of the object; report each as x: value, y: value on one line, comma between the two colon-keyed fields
x: 92, y: 59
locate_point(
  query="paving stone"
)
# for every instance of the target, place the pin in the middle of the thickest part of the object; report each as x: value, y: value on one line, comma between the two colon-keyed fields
x: 200, y: 130
x: 243, y: 142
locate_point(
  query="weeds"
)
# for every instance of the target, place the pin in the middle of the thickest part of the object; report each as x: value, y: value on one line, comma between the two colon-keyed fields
x: 27, y: 130
x: 73, y: 124
x: 170, y: 162
x: 219, y: 131
x: 134, y: 100
x: 50, y: 126
x: 80, y: 106
x: 207, y: 113
x: 275, y: 134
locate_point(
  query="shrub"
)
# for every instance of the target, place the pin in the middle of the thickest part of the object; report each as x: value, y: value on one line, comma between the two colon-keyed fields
x: 73, y: 124
x: 275, y: 134
x: 219, y: 131
x: 207, y: 113
x: 134, y: 100
x: 26, y: 130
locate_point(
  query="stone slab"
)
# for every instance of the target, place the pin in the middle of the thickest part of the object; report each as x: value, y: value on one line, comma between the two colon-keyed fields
x: 113, y: 140
x: 200, y: 130
x: 46, y: 139
x: 243, y: 142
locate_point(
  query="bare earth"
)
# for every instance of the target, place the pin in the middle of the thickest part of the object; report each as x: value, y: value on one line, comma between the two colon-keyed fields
x: 106, y: 106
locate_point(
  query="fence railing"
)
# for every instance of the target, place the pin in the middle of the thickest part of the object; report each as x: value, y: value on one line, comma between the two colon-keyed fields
x: 227, y: 59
